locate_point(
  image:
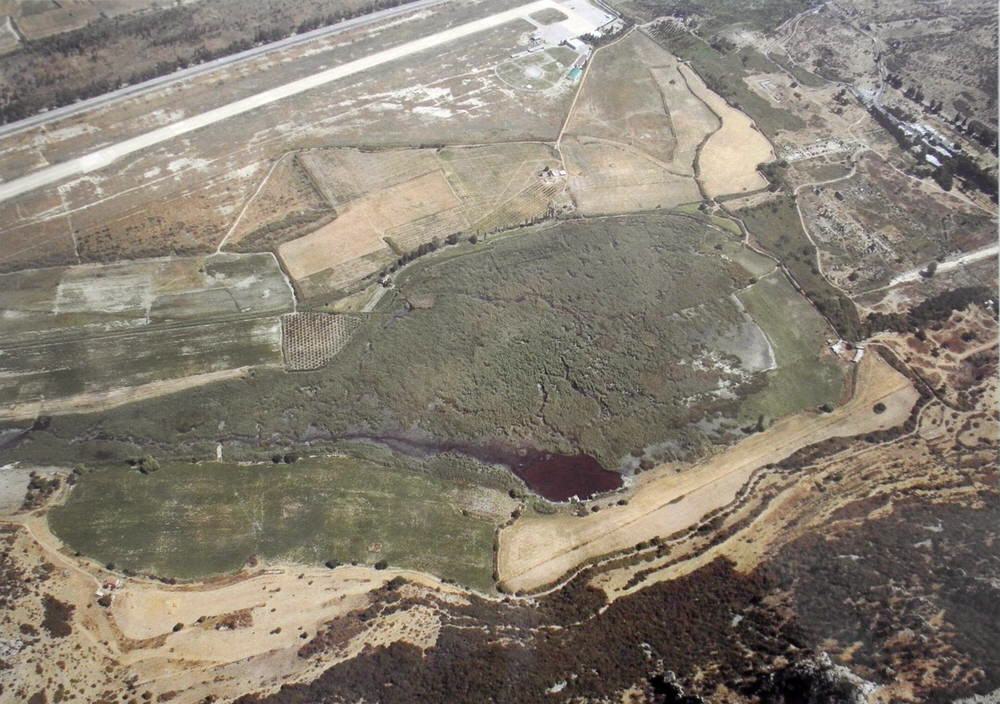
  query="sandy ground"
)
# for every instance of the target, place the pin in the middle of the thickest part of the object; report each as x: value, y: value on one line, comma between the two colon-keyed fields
x: 251, y: 625
x: 728, y: 160
x: 536, y: 551
x: 102, y: 157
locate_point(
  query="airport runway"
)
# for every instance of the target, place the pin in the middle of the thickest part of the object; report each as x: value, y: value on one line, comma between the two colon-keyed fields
x: 105, y: 156
x: 200, y: 69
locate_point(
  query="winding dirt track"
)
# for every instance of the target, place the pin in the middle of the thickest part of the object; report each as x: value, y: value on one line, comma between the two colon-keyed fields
x: 538, y: 550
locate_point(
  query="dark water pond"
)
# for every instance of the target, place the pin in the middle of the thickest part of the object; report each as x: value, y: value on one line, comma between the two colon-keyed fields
x: 552, y: 476
x: 561, y: 477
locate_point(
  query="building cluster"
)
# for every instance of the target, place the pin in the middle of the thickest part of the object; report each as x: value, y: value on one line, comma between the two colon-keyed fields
x: 931, y: 143
x: 845, y: 350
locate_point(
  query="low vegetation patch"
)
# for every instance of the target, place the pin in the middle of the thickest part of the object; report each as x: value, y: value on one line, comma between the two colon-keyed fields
x: 776, y: 226
x: 189, y: 521
x: 606, y: 337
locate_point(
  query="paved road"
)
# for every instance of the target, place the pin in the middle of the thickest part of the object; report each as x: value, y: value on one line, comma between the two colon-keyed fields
x: 100, y: 158
x: 980, y: 254
x: 208, y: 67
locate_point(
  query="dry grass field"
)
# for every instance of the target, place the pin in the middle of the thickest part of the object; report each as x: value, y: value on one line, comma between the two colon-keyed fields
x: 644, y: 125
x: 610, y: 178
x: 389, y: 202
x: 286, y: 205
x: 631, y: 141
x: 338, y: 246
x: 538, y: 550
x: 621, y: 98
x: 728, y: 161
x: 9, y: 40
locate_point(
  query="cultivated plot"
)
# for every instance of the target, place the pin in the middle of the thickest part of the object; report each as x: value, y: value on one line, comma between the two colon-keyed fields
x: 728, y: 161
x: 195, y: 521
x: 87, y: 330
x: 390, y: 202
x: 160, y: 189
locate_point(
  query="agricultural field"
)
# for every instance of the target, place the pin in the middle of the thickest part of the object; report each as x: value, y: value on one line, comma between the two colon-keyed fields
x: 287, y: 205
x: 196, y: 521
x: 776, y: 226
x: 541, y: 351
x: 799, y: 380
x: 622, y: 149
x: 86, y: 330
x: 312, y: 340
x: 9, y: 39
x: 390, y: 202
x: 725, y: 70
x: 182, y: 195
x: 730, y: 156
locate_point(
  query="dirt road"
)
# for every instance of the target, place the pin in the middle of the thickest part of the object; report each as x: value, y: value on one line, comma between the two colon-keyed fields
x: 978, y: 255
x: 536, y: 551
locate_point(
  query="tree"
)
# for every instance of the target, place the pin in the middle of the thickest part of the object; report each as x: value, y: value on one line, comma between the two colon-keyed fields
x: 944, y: 176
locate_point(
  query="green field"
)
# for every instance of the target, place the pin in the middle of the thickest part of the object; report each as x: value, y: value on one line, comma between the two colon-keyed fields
x: 195, y: 520
x: 58, y: 370
x: 776, y: 226
x: 618, y: 337
x: 79, y: 329
x: 796, y: 332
